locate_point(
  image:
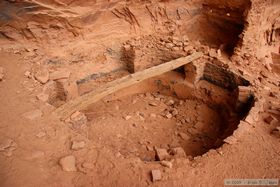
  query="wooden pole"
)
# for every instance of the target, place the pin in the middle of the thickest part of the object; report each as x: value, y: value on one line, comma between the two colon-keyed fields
x: 84, y: 101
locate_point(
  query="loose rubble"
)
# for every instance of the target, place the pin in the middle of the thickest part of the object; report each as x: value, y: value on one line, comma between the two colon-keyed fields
x: 178, y: 152
x: 68, y: 163
x: 127, y: 117
x: 41, y: 134
x: 172, y: 127
x: 270, y: 119
x: 28, y: 74
x: 162, y: 154
x: 42, y: 76
x: 166, y: 163
x: 184, y: 136
x: 276, y: 132
x: 78, y: 119
x: 7, y: 146
x: 43, y: 97
x: 156, y: 175
x: 1, y: 73
x: 76, y: 145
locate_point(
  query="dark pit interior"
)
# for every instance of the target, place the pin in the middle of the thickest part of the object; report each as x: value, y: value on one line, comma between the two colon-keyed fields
x: 168, y: 112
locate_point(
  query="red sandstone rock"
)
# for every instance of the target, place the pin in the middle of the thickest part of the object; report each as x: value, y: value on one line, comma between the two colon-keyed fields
x: 162, y: 154
x: 42, y: 76
x: 68, y: 163
x: 1, y: 73
x: 156, y: 175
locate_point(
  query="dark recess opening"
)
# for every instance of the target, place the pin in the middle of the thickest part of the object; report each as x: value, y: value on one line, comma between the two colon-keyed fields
x: 224, y: 24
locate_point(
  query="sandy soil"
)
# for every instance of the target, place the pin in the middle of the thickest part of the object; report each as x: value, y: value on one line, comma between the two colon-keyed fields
x: 191, y: 132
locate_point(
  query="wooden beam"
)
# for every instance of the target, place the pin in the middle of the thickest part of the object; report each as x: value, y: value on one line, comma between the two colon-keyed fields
x: 84, y: 101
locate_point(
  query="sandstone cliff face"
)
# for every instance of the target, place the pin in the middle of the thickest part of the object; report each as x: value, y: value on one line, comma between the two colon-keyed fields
x: 205, y: 115
x: 236, y: 26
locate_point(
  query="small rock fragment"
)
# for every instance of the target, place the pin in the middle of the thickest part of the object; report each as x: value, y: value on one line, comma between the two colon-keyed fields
x: 175, y: 112
x: 68, y: 163
x: 78, y: 118
x: 276, y: 132
x: 9, y: 152
x: 6, y: 144
x: 140, y: 115
x: 153, y: 104
x: 188, y: 48
x: 181, y: 102
x: 185, y: 38
x: 219, y: 52
x: 178, y: 152
x: 265, y: 75
x: 162, y: 154
x: 250, y: 119
x: 148, y: 95
x: 168, y: 115
x: 156, y: 175
x: 175, y: 39
x: 27, y: 74
x: 274, y: 112
x: 43, y: 97
x: 41, y: 134
x: 149, y: 148
x: 182, y: 121
x: 169, y: 45
x: 193, y: 131
x: 34, y: 114
x: 184, y: 136
x: 1, y: 73
x: 213, y: 53
x: 230, y: 140
x: 134, y: 101
x: 127, y: 117
x: 270, y: 119
x: 170, y: 102
x: 42, y: 76
x: 175, y: 48
x: 141, y: 118
x: 142, y: 95
x: 76, y: 145
x: 87, y: 165
x: 166, y: 163
x: 273, y: 94
x: 127, y: 47
x: 69, y: 89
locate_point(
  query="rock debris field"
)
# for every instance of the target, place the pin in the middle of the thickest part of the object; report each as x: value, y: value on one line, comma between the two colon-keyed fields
x: 139, y: 93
